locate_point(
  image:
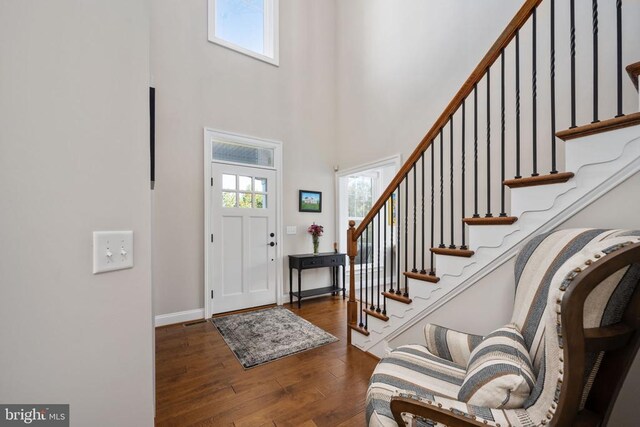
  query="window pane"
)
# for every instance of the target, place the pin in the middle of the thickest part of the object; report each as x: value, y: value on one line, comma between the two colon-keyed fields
x: 245, y: 200
x: 261, y: 201
x: 238, y: 153
x: 228, y: 182
x: 260, y: 185
x: 244, y: 183
x: 241, y: 22
x: 360, y: 195
x: 228, y: 200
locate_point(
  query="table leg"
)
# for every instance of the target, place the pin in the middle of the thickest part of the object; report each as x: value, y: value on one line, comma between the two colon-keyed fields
x: 290, y: 286
x: 344, y: 280
x: 333, y: 281
x: 299, y: 288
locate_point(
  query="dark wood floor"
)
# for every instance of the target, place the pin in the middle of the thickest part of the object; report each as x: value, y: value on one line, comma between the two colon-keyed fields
x: 199, y: 382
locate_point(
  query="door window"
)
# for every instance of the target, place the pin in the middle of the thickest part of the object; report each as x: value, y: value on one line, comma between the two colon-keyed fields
x: 241, y: 191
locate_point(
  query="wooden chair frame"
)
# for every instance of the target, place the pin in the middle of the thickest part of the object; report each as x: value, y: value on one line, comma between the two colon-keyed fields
x: 620, y: 342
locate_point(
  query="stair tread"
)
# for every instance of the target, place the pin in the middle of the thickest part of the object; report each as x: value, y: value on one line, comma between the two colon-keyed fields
x: 599, y: 127
x: 420, y: 276
x: 530, y: 181
x: 375, y: 314
x: 398, y: 298
x: 634, y: 71
x: 466, y: 253
x: 357, y: 328
x: 496, y: 220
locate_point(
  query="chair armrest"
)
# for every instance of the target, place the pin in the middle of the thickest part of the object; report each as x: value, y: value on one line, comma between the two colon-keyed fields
x: 449, y: 412
x: 449, y: 344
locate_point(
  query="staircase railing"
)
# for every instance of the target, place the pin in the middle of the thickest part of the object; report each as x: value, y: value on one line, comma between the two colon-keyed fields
x: 413, y: 210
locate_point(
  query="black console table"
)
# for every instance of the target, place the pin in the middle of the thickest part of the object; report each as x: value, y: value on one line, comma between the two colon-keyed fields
x: 307, y: 261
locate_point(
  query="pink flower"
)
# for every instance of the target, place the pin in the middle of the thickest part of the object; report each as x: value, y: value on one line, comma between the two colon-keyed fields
x: 315, y: 230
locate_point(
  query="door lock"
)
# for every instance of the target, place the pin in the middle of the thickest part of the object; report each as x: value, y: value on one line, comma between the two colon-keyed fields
x: 272, y: 235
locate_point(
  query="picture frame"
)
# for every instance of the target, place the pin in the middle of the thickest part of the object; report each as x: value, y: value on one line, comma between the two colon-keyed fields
x: 309, y: 201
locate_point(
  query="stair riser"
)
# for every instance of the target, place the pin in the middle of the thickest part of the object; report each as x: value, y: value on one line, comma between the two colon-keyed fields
x: 489, y: 236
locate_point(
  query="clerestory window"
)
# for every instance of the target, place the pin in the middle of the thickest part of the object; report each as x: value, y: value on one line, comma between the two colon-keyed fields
x: 246, y: 26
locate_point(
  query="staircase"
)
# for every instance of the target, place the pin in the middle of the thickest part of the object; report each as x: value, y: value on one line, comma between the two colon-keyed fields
x: 453, y: 213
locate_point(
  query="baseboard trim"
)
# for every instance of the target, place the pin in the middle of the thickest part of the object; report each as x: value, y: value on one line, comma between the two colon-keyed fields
x: 179, y: 317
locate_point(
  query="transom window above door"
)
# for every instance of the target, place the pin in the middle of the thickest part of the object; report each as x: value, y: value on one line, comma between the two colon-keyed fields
x: 239, y: 191
x: 247, y: 26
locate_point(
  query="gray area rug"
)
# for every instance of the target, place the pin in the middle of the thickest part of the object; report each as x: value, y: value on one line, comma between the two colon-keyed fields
x: 263, y: 336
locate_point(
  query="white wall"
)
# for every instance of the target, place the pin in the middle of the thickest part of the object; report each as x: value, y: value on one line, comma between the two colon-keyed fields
x: 73, y: 159
x: 398, y: 67
x: 200, y: 84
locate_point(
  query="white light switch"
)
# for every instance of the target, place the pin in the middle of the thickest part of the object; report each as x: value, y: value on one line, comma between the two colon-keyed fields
x: 291, y: 229
x: 112, y: 250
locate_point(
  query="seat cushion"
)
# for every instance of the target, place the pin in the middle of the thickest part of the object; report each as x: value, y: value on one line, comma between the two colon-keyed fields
x: 411, y: 369
x: 499, y: 374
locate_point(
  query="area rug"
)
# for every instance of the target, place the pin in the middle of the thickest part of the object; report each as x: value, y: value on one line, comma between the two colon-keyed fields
x: 263, y: 336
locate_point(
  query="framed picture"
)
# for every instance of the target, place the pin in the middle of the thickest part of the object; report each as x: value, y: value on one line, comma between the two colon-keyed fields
x: 310, y: 201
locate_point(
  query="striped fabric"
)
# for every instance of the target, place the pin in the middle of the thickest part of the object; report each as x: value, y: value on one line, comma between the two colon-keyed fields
x: 544, y: 271
x: 449, y: 344
x: 410, y: 369
x: 499, y: 374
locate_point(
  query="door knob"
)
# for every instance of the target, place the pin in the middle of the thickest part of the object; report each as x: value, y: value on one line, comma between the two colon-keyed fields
x: 272, y: 244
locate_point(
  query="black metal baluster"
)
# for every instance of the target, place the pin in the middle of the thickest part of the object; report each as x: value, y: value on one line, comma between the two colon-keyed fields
x: 462, y: 179
x: 415, y: 207
x: 534, y: 94
x: 619, y: 55
x: 432, y: 272
x: 475, y: 151
x: 361, y: 324
x: 502, y: 135
x: 373, y: 254
x: 378, y: 293
x: 488, y: 214
x: 594, y: 14
x: 391, y: 257
x: 552, y: 62
x: 452, y: 245
x: 384, y: 256
x: 366, y: 274
x: 441, y: 245
x: 518, y: 105
x: 406, y: 230
x: 422, y: 271
x: 398, y: 291
x: 373, y: 259
x: 572, y: 40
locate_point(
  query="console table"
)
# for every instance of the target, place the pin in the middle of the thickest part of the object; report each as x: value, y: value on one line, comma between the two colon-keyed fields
x: 331, y: 260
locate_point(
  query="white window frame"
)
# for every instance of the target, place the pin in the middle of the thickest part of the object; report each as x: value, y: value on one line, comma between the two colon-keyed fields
x: 271, y: 33
x: 393, y: 161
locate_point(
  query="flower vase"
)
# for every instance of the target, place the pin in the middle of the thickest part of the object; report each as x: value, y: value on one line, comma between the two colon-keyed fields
x: 316, y: 243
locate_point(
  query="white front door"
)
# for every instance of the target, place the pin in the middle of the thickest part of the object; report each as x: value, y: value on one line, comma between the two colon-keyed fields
x: 243, y: 233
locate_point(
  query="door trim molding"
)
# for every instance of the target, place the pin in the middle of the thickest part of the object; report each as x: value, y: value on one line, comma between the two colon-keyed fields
x: 209, y: 136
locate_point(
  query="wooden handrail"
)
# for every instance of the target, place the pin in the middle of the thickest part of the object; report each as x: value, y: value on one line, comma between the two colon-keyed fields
x: 476, y: 76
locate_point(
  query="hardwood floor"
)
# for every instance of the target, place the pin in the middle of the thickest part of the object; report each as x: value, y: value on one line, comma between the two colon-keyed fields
x: 199, y: 382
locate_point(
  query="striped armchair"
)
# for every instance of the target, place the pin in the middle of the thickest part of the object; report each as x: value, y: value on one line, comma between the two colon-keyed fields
x: 561, y: 361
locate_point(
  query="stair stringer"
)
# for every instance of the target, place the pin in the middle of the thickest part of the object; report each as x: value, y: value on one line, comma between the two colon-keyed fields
x: 600, y: 162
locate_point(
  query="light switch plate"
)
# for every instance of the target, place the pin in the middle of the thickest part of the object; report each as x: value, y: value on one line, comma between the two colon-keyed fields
x: 291, y: 229
x: 112, y: 250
